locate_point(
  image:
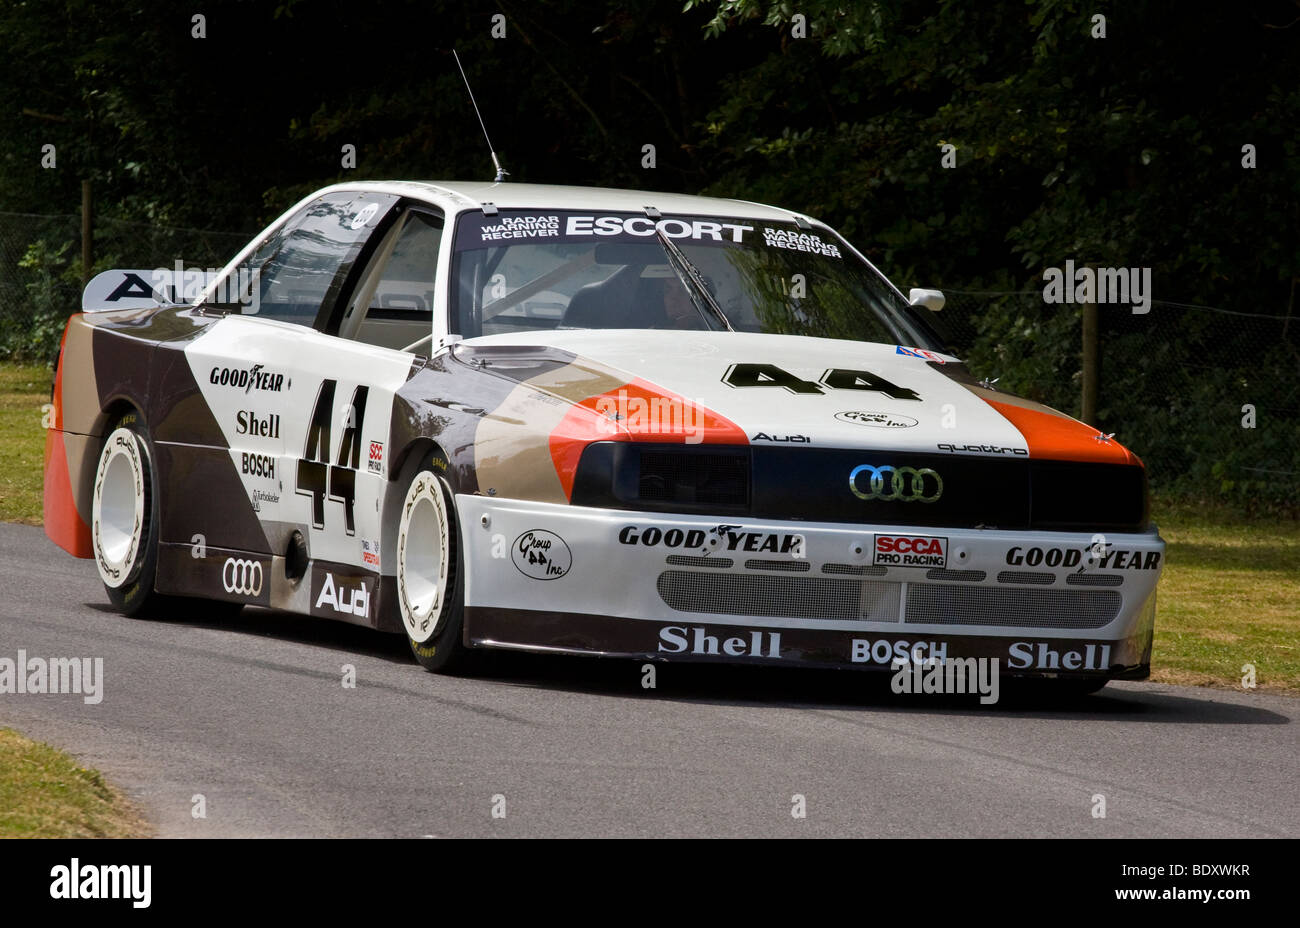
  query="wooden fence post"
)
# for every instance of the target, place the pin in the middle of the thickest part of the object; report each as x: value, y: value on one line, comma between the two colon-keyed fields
x: 1091, y: 364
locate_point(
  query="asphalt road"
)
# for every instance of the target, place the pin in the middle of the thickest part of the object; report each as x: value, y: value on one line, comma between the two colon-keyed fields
x: 252, y: 715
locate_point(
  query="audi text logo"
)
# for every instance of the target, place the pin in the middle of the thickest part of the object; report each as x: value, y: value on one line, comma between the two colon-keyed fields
x: 904, y: 484
x: 243, y: 577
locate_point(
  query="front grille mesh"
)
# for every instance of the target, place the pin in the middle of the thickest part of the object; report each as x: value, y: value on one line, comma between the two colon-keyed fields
x: 982, y: 605
x: 771, y: 595
x: 800, y: 597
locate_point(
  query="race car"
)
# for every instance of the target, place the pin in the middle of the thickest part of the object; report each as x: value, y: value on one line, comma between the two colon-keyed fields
x: 586, y: 421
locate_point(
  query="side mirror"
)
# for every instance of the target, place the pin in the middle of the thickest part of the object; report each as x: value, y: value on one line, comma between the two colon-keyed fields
x: 931, y: 299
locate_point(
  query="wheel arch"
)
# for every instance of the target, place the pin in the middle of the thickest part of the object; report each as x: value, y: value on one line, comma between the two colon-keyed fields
x: 81, y: 472
x: 114, y: 409
x: 402, y: 469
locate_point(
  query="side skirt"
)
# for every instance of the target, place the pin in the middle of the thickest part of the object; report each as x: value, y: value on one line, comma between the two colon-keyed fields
x: 328, y: 590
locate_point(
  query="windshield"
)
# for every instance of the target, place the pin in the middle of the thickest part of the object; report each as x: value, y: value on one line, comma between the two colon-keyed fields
x: 523, y: 270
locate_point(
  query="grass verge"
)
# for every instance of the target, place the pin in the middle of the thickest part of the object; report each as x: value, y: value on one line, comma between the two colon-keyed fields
x: 45, y: 794
x: 1229, y: 596
x: 24, y: 390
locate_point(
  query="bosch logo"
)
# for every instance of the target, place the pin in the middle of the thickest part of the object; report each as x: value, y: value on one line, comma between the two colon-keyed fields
x: 241, y: 576
x: 890, y: 484
x: 258, y: 465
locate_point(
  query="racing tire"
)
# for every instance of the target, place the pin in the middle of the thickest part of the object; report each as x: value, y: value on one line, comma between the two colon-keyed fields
x: 430, y: 578
x: 124, y: 518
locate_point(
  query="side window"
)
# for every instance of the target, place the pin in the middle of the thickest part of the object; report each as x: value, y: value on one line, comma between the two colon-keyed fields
x: 301, y: 268
x: 393, y: 306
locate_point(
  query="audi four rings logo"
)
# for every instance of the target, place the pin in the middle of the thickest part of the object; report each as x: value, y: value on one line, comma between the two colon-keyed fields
x: 244, y: 577
x: 905, y: 484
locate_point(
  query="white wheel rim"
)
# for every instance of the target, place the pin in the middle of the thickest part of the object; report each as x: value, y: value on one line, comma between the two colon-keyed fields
x: 118, y: 509
x: 423, y: 557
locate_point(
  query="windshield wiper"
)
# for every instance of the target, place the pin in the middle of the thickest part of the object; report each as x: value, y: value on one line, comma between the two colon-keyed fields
x: 691, y: 278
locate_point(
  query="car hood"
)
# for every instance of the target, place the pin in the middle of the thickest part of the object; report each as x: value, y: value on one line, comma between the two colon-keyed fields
x: 797, y: 390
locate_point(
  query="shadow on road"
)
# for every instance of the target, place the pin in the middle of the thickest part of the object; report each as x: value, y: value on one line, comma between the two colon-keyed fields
x: 855, y: 690
x: 760, y: 687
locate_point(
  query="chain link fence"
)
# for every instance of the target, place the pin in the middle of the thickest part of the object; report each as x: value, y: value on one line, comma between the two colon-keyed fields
x: 1208, y: 398
x: 40, y: 269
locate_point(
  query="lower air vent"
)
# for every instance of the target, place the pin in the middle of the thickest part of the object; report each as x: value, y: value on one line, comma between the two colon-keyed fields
x: 686, y: 560
x: 780, y: 597
x: 793, y: 566
x: 964, y: 576
x: 854, y: 570
x: 929, y: 604
x: 1042, y: 578
x: 799, y: 597
x: 1094, y: 579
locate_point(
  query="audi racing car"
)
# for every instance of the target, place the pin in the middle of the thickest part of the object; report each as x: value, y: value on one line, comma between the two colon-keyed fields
x: 587, y: 421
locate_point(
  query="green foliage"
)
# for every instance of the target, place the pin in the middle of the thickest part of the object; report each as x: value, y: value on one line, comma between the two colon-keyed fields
x: 1122, y: 151
x: 49, y: 282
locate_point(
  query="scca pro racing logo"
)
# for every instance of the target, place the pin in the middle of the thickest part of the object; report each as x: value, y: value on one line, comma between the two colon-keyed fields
x: 910, y: 551
x: 251, y: 378
x: 895, y: 484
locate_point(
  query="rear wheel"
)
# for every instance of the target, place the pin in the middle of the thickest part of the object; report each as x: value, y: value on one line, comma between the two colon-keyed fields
x: 124, y: 523
x: 430, y: 581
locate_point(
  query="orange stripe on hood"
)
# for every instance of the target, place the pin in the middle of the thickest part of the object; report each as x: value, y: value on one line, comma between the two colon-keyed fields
x: 1055, y: 437
x: 636, y: 411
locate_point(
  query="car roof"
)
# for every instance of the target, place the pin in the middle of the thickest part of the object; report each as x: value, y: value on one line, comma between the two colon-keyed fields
x: 458, y: 196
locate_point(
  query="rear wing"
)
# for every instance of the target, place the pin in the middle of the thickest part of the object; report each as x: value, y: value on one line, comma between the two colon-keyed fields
x: 141, y: 289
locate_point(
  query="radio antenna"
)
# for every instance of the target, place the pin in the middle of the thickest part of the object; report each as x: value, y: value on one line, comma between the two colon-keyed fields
x: 502, y: 174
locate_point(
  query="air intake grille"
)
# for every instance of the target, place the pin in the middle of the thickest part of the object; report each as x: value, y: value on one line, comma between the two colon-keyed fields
x: 1039, y: 577
x: 797, y: 597
x: 780, y: 596
x: 854, y: 570
x: 966, y: 576
x: 686, y: 560
x: 790, y: 566
x: 1094, y: 579
x: 930, y: 604
x: 729, y: 481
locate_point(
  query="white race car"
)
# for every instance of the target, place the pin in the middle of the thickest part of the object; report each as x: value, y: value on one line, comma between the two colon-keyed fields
x: 587, y: 421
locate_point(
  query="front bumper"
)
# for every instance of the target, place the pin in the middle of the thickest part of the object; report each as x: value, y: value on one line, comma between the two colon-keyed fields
x: 574, y: 579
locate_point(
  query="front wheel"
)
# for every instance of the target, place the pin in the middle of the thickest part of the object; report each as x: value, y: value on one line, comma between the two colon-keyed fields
x: 430, y: 581
x: 124, y: 523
